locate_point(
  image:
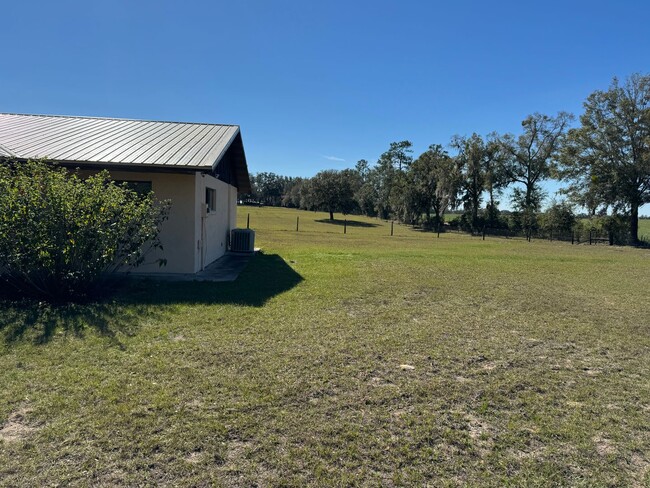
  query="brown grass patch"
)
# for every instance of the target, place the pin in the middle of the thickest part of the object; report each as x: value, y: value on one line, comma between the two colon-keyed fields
x: 16, y: 428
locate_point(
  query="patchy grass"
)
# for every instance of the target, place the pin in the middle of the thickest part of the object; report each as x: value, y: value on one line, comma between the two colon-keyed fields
x: 644, y: 229
x: 342, y: 360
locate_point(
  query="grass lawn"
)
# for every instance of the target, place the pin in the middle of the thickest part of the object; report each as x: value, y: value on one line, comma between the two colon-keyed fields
x: 342, y: 360
x: 644, y: 229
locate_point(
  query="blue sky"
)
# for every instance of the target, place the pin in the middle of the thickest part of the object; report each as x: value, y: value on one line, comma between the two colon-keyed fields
x: 318, y: 85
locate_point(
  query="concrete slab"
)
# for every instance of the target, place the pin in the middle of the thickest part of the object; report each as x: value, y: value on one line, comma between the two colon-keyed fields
x: 227, y: 268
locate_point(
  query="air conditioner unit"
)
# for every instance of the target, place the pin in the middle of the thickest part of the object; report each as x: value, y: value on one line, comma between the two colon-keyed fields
x: 242, y: 240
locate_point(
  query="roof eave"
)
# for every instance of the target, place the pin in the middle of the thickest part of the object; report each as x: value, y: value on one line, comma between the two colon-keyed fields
x: 162, y: 168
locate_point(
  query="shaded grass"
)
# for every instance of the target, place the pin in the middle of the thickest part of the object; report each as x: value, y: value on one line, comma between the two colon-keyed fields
x: 530, y: 368
x: 347, y: 222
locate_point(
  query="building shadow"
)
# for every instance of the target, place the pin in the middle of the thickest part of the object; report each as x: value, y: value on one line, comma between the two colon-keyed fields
x: 350, y: 223
x: 265, y: 276
x: 120, y: 313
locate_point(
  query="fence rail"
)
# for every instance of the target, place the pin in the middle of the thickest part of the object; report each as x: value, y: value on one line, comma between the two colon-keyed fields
x: 580, y: 236
x: 592, y: 237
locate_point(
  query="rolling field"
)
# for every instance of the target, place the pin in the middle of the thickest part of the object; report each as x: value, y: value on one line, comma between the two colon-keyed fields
x: 342, y: 360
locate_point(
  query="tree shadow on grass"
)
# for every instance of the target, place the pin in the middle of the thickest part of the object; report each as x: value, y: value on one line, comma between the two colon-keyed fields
x: 39, y: 321
x: 350, y: 223
x: 266, y: 276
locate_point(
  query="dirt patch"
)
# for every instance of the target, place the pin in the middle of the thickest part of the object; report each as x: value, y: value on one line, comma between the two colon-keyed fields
x: 481, y: 433
x: 377, y: 381
x: 641, y: 466
x: 478, y: 429
x: 592, y: 371
x: 242, y: 469
x: 603, y: 445
x: 534, y: 450
x: 194, y: 404
x: 16, y: 427
x: 400, y: 412
x: 237, y: 450
x: 194, y: 457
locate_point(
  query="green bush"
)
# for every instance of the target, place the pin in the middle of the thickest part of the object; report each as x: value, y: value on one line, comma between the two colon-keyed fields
x: 62, y: 237
x: 558, y: 219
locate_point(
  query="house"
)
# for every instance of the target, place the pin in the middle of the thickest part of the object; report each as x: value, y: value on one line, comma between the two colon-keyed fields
x: 199, y: 167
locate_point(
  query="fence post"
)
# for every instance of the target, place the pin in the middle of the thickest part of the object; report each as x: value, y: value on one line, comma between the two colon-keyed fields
x: 438, y: 229
x: 297, y: 223
x: 483, y: 232
x: 248, y: 221
x: 345, y: 226
x: 590, y: 237
x: 572, y: 237
x: 391, y: 228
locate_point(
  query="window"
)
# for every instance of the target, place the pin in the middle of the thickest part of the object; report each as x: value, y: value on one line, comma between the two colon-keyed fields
x: 210, y: 199
x: 142, y: 188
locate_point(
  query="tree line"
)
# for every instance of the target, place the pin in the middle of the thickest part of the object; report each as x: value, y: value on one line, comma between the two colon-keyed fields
x: 604, y: 161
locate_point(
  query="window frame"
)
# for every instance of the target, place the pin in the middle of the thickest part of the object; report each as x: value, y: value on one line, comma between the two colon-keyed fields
x: 210, y: 200
x: 137, y: 186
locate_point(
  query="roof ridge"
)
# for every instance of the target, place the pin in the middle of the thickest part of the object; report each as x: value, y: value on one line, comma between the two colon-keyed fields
x: 115, y: 118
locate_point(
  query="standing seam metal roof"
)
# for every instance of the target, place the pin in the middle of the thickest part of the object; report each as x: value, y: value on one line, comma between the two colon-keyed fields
x: 178, y: 145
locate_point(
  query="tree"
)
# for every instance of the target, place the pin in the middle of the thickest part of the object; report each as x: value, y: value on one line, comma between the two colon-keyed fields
x: 527, y: 159
x: 495, y: 178
x: 406, y: 200
x: 363, y: 169
x: 398, y: 155
x: 478, y: 172
x: 366, y: 196
x: 435, y: 178
x: 558, y: 219
x: 61, y: 236
x: 333, y: 191
x: 607, y: 158
x: 306, y: 195
x: 291, y: 196
x: 396, y: 159
x: 269, y: 188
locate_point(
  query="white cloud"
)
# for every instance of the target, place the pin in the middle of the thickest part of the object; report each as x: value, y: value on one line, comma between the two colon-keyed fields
x: 334, y: 158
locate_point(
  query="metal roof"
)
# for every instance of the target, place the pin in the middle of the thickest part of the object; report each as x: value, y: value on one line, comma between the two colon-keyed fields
x: 108, y: 141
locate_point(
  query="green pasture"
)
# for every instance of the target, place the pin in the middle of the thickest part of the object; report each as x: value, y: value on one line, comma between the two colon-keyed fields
x: 355, y: 359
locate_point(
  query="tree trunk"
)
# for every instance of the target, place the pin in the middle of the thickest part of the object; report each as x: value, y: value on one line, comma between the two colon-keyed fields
x: 475, y: 198
x: 634, y: 224
x: 331, y: 214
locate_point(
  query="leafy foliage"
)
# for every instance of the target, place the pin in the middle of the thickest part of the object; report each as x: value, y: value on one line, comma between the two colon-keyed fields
x: 607, y: 159
x: 333, y: 191
x: 528, y: 159
x: 558, y: 218
x: 477, y: 164
x: 437, y: 181
x: 62, y: 236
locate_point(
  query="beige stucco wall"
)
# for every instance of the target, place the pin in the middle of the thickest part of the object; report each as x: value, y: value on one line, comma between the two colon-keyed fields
x: 213, y: 228
x: 191, y: 239
x: 177, y: 233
